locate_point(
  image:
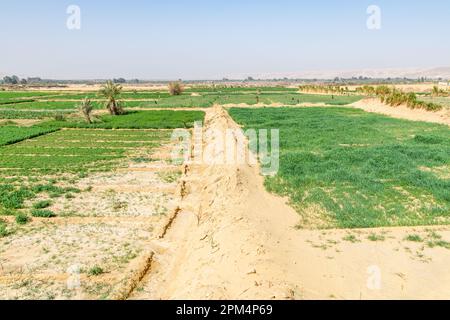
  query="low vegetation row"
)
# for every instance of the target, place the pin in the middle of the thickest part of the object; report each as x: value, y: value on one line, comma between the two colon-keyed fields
x: 395, y: 97
x: 328, y: 89
x: 158, y: 119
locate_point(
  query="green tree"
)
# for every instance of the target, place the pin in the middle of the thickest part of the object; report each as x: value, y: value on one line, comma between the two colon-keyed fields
x: 86, y: 108
x: 111, y: 92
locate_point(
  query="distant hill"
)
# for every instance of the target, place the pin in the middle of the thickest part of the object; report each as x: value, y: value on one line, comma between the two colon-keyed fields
x: 411, y: 73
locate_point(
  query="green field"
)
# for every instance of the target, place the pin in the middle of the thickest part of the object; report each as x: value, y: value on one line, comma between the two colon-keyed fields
x: 232, y: 89
x: 47, y: 158
x: 31, y: 114
x: 75, y: 150
x: 45, y: 105
x: 158, y: 119
x: 346, y: 168
x: 351, y: 168
x: 13, y: 134
x: 11, y: 95
x: 24, y: 166
x: 203, y: 98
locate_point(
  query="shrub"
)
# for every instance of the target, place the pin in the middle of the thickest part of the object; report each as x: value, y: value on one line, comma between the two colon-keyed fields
x: 22, y: 219
x: 6, y: 212
x: 59, y: 117
x: 414, y: 238
x: 95, y: 271
x: 395, y: 98
x: 411, y: 100
x: 42, y: 204
x: 335, y: 89
x: 42, y: 213
x: 11, y: 198
x: 376, y: 237
x: 176, y: 88
x: 3, y: 231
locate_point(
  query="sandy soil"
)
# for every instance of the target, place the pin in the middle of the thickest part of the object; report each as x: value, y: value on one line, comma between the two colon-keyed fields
x: 403, y: 112
x: 274, y: 105
x: 96, y: 87
x: 109, y: 226
x: 20, y: 122
x: 233, y: 240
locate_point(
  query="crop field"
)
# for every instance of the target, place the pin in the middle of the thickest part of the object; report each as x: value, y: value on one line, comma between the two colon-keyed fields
x: 40, y: 105
x: 88, y: 195
x: 85, y: 201
x: 358, y: 169
x: 192, y: 98
x: 21, y: 95
x: 158, y: 119
x: 221, y: 89
x: 31, y: 114
x: 13, y: 134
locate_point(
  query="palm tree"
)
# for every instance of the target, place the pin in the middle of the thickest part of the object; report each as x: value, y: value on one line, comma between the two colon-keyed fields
x: 86, y: 108
x: 111, y: 92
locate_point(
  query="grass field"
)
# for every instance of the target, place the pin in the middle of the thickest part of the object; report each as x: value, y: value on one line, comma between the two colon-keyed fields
x: 45, y: 105
x: 25, y: 165
x: 204, y: 98
x: 29, y: 154
x: 221, y: 89
x: 96, y: 196
x: 74, y: 151
x: 158, y: 119
x: 64, y: 203
x: 13, y: 134
x: 358, y: 169
x: 31, y: 114
x: 11, y: 95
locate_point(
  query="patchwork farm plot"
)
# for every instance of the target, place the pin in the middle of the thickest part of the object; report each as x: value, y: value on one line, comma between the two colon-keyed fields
x: 84, y: 194
x: 191, y: 98
x: 82, y: 205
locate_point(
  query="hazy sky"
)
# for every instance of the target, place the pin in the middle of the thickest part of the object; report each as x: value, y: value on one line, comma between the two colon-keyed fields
x: 214, y: 39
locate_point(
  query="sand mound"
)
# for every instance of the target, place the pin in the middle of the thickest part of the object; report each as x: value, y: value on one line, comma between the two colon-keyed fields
x: 402, y: 112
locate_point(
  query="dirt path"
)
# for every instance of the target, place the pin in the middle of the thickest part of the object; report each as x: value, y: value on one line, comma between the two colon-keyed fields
x: 402, y: 112
x: 234, y: 240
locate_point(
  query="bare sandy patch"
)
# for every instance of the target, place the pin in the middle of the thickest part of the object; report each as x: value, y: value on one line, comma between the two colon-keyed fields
x: 20, y: 122
x: 442, y: 172
x: 403, y: 112
x: 102, y: 236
